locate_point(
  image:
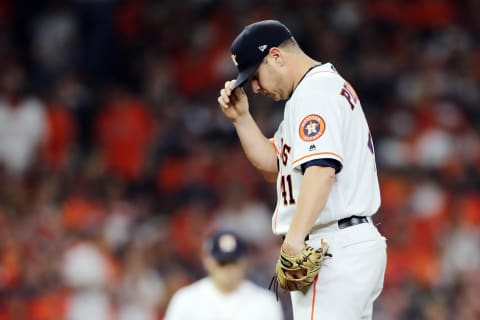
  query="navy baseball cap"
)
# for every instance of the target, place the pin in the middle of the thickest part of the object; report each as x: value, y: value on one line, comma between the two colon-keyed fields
x: 253, y: 44
x: 226, y: 246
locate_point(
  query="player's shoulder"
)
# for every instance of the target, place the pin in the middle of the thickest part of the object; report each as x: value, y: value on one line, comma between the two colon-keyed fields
x: 324, y: 73
x: 185, y: 296
x: 258, y: 292
x: 192, y: 289
x: 320, y: 80
x: 325, y: 69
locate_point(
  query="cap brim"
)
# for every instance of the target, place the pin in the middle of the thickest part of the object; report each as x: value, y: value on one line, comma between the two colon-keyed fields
x: 228, y: 257
x: 243, y: 76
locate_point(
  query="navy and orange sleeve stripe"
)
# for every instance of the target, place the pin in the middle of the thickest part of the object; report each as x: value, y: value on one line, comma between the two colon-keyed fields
x: 327, y: 162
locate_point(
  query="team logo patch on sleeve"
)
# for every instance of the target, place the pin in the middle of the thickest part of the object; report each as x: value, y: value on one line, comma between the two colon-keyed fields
x: 312, y: 127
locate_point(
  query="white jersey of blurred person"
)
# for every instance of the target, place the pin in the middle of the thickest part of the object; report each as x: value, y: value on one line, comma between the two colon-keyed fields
x: 85, y: 272
x: 225, y: 293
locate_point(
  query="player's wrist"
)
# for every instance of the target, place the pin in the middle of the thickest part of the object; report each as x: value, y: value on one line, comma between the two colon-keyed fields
x: 292, y: 246
x: 242, y: 119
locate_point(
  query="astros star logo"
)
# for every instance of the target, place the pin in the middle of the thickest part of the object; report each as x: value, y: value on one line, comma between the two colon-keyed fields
x: 311, y: 127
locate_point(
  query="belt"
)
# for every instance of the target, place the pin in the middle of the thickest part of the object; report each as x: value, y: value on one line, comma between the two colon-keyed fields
x: 351, y: 221
x: 345, y: 223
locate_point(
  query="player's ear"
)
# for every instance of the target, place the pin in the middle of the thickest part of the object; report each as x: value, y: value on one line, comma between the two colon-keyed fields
x: 276, y: 55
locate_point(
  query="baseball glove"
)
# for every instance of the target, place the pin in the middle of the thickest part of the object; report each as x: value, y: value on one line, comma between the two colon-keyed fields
x: 297, y: 273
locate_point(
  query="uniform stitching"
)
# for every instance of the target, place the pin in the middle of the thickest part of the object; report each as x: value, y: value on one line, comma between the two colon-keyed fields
x: 274, y: 146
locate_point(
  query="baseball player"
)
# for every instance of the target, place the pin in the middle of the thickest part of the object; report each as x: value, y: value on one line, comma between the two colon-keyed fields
x: 322, y: 160
x: 225, y: 293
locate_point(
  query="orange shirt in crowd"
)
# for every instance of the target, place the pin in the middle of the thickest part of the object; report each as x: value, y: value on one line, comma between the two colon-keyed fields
x: 187, y: 226
x: 80, y: 213
x: 124, y: 131
x: 470, y: 208
x: 47, y: 306
x: 60, y: 136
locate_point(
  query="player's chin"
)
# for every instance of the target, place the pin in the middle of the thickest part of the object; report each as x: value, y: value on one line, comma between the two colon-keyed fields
x: 275, y: 97
x: 279, y: 96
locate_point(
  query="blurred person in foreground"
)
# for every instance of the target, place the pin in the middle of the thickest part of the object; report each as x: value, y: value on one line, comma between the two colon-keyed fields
x: 225, y: 293
x: 323, y: 162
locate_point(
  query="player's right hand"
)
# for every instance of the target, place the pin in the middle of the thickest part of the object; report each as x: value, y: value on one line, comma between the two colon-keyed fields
x: 233, y: 104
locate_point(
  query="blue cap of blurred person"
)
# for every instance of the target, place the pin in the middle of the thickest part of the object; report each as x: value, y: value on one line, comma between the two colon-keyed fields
x: 226, y: 246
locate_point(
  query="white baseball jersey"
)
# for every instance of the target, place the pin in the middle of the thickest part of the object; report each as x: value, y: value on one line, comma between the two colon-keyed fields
x: 324, y: 120
x: 202, y: 301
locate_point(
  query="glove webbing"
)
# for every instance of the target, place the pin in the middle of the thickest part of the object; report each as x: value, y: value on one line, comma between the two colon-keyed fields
x: 274, y: 282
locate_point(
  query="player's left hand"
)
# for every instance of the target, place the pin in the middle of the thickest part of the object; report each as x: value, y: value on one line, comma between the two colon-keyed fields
x: 292, y: 248
x: 298, y: 272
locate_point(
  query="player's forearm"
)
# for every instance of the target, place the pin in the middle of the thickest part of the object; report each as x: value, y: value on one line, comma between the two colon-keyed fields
x: 258, y: 149
x: 316, y: 185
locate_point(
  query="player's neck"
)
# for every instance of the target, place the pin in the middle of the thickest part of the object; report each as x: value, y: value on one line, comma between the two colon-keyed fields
x: 226, y: 289
x: 304, y: 66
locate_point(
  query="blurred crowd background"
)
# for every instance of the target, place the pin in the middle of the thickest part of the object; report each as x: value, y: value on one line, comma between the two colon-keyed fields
x: 115, y: 159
